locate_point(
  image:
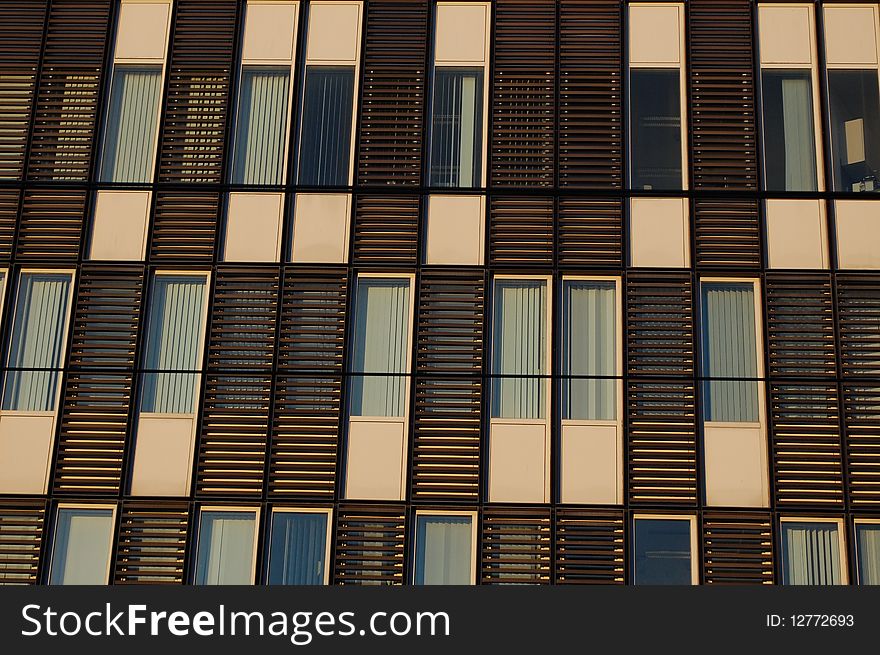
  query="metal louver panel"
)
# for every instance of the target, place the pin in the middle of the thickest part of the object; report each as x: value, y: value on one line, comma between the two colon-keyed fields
x: 590, y: 233
x: 22, y: 525
x: 737, y: 548
x: 386, y: 230
x: 589, y: 547
x: 515, y: 546
x: 152, y: 543
x: 51, y: 225
x: 521, y: 231
x: 727, y: 233
x: 184, y: 226
x: 862, y: 425
x: 393, y: 97
x: 370, y: 545
x: 9, y: 204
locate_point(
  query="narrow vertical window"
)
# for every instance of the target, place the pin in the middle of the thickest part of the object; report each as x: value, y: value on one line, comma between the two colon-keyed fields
x: 868, y: 542
x: 789, y: 136
x: 261, y: 126
x: 36, y: 348
x: 656, y: 129
x: 225, y: 548
x: 298, y: 548
x: 662, y: 550
x: 456, y: 134
x: 810, y: 553
x: 81, y: 553
x: 443, y: 550
x: 855, y: 129
x: 325, y: 147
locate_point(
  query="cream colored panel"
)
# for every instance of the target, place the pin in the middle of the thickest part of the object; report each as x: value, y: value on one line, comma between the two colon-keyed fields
x: 591, y: 464
x: 376, y: 459
x: 163, y: 455
x: 785, y: 35
x: 253, y: 227
x: 654, y: 35
x: 143, y: 31
x: 269, y: 32
x: 461, y: 33
x: 796, y: 234
x: 455, y: 229
x: 851, y: 35
x: 858, y: 233
x: 659, y: 235
x: 119, y: 229
x: 320, y: 228
x: 518, y: 463
x: 736, y: 466
x: 25, y: 452
x: 334, y: 32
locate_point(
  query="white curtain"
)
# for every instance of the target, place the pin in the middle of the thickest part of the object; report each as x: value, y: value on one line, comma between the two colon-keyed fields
x: 811, y: 554
x: 455, y: 128
x: 444, y: 550
x: 226, y: 548
x: 800, y: 164
x: 298, y: 548
x: 131, y: 125
x: 38, y: 338
x: 519, y: 348
x: 260, y: 128
x: 729, y: 351
x: 869, y: 554
x: 173, y: 342
x: 588, y: 349
x: 82, y: 547
x: 381, y: 329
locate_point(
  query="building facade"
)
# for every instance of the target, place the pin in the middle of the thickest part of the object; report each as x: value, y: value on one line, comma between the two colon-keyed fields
x: 417, y: 292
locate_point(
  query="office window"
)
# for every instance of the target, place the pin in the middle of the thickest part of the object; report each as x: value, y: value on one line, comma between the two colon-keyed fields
x: 225, y: 548
x: 662, y: 550
x: 132, y: 118
x: 173, y: 344
x: 729, y: 351
x: 789, y: 136
x: 380, y: 353
x: 855, y: 129
x: 868, y: 543
x: 36, y: 347
x: 443, y: 550
x: 261, y: 126
x: 325, y: 150
x: 810, y: 553
x: 519, y: 349
x: 655, y: 129
x: 81, y: 554
x: 456, y: 134
x: 589, y: 349
x: 298, y: 548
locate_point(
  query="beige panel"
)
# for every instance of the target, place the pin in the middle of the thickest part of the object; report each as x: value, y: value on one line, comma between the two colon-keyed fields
x: 796, y: 234
x: 654, y: 35
x: 455, y: 229
x: 334, y: 32
x: 376, y: 460
x: 163, y: 455
x: 320, y: 228
x: 854, y: 131
x: 269, y: 32
x: 785, y: 35
x: 143, y: 31
x: 591, y: 464
x: 858, y: 233
x: 736, y: 466
x: 851, y: 35
x: 518, y: 463
x: 25, y: 452
x: 659, y: 234
x: 119, y: 229
x: 253, y: 227
x: 460, y: 36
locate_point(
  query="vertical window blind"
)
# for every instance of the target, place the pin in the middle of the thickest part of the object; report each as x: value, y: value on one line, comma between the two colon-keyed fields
x: 443, y: 551
x: 36, y: 348
x: 810, y: 554
x: 455, y: 128
x: 325, y: 148
x: 868, y: 540
x: 226, y: 548
x: 260, y: 133
x: 81, y: 554
x: 298, y: 548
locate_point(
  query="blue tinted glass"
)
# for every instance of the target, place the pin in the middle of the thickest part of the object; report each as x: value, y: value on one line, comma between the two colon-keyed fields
x: 662, y: 552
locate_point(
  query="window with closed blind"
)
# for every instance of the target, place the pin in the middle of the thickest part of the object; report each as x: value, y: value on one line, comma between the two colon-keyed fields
x: 325, y: 145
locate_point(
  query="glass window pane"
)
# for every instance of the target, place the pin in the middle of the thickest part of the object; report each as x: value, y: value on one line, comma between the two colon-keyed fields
x: 298, y: 548
x: 729, y: 351
x: 132, y: 121
x: 656, y: 129
x: 519, y: 348
x: 868, y: 540
x: 260, y: 132
x: 662, y: 552
x: 443, y: 550
x: 37, y: 342
x: 380, y: 346
x: 855, y: 129
x: 81, y: 554
x: 325, y: 149
x: 456, y: 128
x: 789, y: 135
x: 588, y: 349
x: 810, y: 554
x: 225, y: 548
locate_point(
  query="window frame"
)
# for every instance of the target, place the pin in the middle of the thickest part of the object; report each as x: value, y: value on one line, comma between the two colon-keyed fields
x: 841, y: 544
x: 694, y: 541
x: 270, y: 524
x: 471, y: 514
x: 194, y: 555
x: 83, y: 506
x: 857, y: 564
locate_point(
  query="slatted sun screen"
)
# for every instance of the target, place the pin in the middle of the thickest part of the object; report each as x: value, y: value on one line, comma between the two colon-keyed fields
x: 737, y: 548
x: 370, y: 545
x: 515, y: 546
x: 589, y: 546
x: 22, y: 527
x: 151, y: 546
